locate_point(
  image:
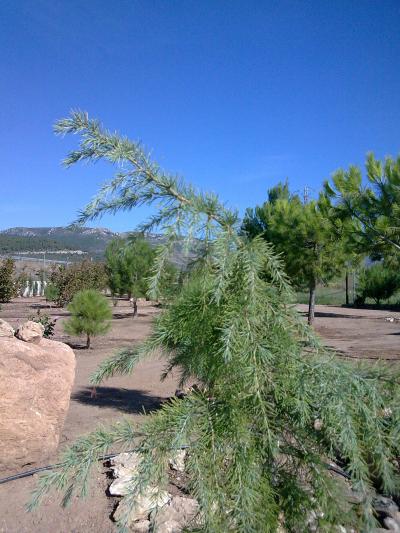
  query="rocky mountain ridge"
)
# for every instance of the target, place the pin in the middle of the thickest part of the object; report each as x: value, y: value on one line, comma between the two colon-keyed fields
x: 69, y: 240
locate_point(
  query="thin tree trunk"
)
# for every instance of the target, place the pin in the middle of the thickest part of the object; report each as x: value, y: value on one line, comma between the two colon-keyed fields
x: 347, y: 287
x: 311, y: 303
x: 135, y: 309
x: 87, y: 342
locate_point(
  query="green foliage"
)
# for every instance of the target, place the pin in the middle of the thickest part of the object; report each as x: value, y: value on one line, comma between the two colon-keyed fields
x: 8, y: 287
x: 374, y: 209
x: 377, y: 282
x: 90, y: 314
x: 255, y: 454
x: 14, y: 244
x: 128, y: 266
x: 51, y: 293
x: 68, y: 280
x: 47, y: 322
x: 304, y: 235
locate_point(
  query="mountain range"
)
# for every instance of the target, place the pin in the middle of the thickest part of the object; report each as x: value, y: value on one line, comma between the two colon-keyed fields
x: 71, y: 241
x: 92, y: 241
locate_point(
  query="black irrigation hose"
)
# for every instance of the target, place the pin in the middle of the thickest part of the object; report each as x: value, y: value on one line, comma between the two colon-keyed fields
x: 28, y: 473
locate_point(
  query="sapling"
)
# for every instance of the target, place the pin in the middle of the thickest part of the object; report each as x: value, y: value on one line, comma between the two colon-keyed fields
x: 90, y: 314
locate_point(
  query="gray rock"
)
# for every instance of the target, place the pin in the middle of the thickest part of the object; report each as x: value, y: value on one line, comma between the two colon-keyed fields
x: 391, y: 524
x: 178, y: 514
x: 177, y: 461
x: 385, y: 506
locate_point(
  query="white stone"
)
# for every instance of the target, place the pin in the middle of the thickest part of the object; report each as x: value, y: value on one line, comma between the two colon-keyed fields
x: 30, y: 332
x: 151, y: 499
x: 142, y: 526
x: 125, y: 464
x: 177, y: 461
x: 392, y: 524
x: 179, y: 512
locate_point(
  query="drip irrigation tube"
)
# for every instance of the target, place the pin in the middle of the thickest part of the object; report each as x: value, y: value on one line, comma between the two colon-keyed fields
x: 28, y: 473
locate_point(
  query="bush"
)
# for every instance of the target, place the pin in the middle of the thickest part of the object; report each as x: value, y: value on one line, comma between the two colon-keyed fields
x: 91, y: 315
x: 7, y: 282
x: 377, y: 282
x: 47, y: 322
x: 80, y: 276
x: 51, y: 293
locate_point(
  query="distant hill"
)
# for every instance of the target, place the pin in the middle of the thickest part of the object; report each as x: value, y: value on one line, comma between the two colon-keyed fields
x: 73, y: 241
x: 19, y: 244
x: 90, y: 240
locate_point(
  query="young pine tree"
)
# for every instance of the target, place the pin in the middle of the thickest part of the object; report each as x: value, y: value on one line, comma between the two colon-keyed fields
x: 90, y: 314
x: 8, y: 286
x: 256, y: 455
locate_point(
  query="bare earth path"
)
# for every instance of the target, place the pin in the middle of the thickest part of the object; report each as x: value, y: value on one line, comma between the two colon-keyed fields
x: 120, y: 396
x: 354, y: 333
x: 363, y: 333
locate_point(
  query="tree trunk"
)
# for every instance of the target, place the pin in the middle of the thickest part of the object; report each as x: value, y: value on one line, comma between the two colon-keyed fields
x: 87, y: 342
x: 347, y: 287
x: 135, y: 309
x: 311, y: 303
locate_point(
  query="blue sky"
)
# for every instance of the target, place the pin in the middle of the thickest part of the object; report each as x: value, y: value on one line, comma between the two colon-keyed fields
x: 233, y: 95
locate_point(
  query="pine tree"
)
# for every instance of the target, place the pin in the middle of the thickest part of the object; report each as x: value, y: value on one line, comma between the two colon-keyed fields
x: 128, y: 265
x: 310, y: 245
x: 8, y: 286
x: 90, y: 314
x: 375, y: 208
x: 256, y: 455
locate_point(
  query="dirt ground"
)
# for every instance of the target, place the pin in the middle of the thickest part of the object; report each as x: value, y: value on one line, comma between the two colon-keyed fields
x: 354, y: 333
x: 120, y: 396
x: 358, y: 333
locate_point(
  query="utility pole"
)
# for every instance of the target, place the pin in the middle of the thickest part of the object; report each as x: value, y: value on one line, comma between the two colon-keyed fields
x: 306, y: 194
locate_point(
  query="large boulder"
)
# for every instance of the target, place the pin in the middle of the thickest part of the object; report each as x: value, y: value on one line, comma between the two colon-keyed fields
x: 36, y: 379
x: 5, y: 329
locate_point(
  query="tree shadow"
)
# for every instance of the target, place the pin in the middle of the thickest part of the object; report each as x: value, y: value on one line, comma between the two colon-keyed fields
x: 125, y: 400
x: 76, y: 346
x: 321, y: 314
x: 118, y: 316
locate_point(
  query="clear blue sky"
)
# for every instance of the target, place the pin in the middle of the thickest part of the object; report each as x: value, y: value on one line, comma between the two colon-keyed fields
x: 234, y: 95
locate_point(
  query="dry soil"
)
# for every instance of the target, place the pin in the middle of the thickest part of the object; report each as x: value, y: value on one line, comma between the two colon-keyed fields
x: 354, y: 333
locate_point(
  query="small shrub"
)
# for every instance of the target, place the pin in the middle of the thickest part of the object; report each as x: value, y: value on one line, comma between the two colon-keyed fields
x: 51, y: 293
x: 377, y: 282
x: 90, y: 314
x: 47, y: 322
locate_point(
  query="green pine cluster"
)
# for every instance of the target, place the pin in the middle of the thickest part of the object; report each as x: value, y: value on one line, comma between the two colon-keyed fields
x: 312, y: 248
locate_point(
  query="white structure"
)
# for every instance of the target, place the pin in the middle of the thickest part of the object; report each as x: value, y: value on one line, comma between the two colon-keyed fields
x: 34, y: 288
